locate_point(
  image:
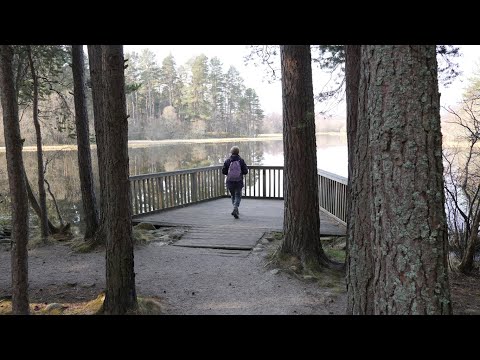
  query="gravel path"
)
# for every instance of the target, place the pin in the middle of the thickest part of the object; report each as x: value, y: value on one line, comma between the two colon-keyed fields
x: 186, y: 280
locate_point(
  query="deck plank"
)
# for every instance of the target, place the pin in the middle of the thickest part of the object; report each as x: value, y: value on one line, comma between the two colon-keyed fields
x: 214, y: 217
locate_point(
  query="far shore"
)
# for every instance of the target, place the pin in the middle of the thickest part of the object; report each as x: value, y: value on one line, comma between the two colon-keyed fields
x: 152, y: 143
x: 262, y: 137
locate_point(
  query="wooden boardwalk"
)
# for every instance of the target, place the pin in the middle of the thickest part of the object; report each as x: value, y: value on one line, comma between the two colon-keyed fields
x: 212, y: 225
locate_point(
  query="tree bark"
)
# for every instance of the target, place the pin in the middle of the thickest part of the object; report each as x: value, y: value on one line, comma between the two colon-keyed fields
x: 301, y: 215
x: 359, y: 262
x: 409, y: 233
x: 120, y: 295
x: 42, y: 195
x: 83, y: 143
x: 17, y: 183
x: 95, y: 62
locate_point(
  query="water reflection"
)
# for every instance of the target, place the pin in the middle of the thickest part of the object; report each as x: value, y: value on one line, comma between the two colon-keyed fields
x: 171, y: 157
x: 62, y: 172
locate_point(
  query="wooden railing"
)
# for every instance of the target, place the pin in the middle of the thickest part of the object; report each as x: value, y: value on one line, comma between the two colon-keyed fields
x: 154, y: 192
x: 264, y: 182
x: 332, y: 194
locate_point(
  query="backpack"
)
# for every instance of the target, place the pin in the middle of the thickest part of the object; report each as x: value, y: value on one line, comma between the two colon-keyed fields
x: 234, y: 171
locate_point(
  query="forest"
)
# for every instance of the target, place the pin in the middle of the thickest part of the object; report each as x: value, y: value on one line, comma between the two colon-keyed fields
x: 412, y: 204
x: 197, y: 99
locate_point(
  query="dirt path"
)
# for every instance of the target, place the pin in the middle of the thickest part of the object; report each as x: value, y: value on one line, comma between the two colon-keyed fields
x: 199, y: 281
x: 186, y: 280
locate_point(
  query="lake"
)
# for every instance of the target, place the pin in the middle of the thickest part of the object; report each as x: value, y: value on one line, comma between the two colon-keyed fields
x: 62, y: 169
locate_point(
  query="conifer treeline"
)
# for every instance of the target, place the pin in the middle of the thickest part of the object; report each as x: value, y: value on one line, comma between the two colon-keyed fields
x: 197, y: 99
x: 191, y: 100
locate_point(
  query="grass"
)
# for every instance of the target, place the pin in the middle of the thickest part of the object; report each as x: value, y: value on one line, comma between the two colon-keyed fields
x: 335, y: 254
x: 143, y: 234
x: 326, y: 278
x: 79, y: 245
x: 146, y: 306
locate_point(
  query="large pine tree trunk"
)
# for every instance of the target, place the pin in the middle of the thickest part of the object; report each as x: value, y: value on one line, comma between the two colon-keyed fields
x: 120, y: 295
x: 83, y: 143
x: 95, y: 62
x: 42, y: 195
x: 409, y: 224
x: 16, y: 181
x: 301, y: 215
x: 359, y: 249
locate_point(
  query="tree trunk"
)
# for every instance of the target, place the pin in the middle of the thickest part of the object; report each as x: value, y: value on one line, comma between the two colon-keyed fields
x: 95, y: 62
x: 359, y: 262
x: 36, y: 207
x: 120, y: 295
x: 42, y: 195
x: 138, y: 112
x: 56, y: 207
x: 16, y: 181
x: 301, y: 215
x: 409, y: 230
x: 466, y: 265
x: 83, y: 143
x: 134, y: 114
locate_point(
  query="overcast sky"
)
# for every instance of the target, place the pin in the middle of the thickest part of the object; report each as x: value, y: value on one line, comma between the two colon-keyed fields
x: 271, y: 94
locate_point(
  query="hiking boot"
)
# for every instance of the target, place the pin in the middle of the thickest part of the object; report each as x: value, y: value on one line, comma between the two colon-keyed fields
x: 235, y: 212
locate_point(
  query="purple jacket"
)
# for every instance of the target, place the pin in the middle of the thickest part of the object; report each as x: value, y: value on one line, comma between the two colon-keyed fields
x: 226, y: 165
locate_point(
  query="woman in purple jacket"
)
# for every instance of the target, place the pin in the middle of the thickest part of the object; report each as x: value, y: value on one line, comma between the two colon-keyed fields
x: 234, y: 167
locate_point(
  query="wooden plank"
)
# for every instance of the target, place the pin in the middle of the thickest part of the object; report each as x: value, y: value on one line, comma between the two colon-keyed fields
x: 231, y: 239
x: 254, y: 214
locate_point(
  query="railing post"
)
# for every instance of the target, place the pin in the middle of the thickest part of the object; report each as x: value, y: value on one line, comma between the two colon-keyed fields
x: 174, y: 190
x: 135, y: 186
x: 193, y: 188
x: 264, y: 182
x: 337, y: 200
x: 160, y: 189
x: 182, y: 189
x: 143, y: 205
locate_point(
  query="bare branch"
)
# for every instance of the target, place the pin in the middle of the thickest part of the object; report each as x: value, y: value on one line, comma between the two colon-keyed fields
x: 55, y: 202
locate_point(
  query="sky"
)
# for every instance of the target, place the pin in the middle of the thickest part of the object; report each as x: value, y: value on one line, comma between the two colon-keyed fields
x: 270, y: 94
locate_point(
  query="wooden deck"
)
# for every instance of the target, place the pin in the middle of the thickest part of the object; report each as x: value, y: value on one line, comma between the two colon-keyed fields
x: 212, y: 225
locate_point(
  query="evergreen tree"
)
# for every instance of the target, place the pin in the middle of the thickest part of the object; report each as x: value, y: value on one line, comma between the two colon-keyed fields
x: 83, y: 144
x: 171, y: 82
x: 233, y: 94
x: 120, y: 292
x: 216, y: 82
x: 406, y: 247
x: 17, y: 183
x: 196, y: 94
x: 132, y: 85
x: 301, y: 225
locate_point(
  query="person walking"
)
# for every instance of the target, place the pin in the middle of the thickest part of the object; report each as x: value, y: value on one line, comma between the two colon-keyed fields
x: 234, y: 167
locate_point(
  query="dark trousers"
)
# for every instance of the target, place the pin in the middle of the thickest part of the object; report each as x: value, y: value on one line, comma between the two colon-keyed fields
x: 236, y: 195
